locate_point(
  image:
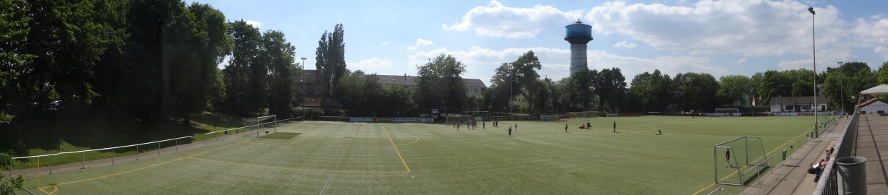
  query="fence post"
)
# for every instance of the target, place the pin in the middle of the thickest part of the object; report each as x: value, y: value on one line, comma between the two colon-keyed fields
x: 158, y: 148
x: 50, y: 163
x: 137, y: 152
x: 177, y: 145
x: 112, y: 155
x: 82, y: 158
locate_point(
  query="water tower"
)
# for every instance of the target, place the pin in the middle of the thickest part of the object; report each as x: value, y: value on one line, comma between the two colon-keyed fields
x: 578, y: 34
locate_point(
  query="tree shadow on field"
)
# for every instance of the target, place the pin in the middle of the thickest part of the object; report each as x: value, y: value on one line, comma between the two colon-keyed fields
x: 49, y: 132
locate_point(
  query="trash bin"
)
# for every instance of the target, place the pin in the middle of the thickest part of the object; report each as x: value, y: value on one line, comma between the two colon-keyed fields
x: 784, y: 154
x: 851, y: 175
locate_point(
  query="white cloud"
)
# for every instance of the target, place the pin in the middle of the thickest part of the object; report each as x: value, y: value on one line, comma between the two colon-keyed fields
x: 756, y: 28
x: 254, y: 23
x: 496, y: 20
x: 411, y: 48
x: 623, y: 44
x: 424, y: 42
x: 795, y: 64
x: 871, y: 32
x: 882, y: 51
x: 371, y: 65
x: 741, y: 60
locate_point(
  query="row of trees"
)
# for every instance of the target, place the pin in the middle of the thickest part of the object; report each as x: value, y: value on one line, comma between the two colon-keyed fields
x: 147, y: 60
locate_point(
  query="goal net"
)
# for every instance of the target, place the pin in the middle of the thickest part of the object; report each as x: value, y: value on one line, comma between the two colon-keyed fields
x: 727, y: 112
x: 739, y: 160
x: 260, y: 124
x: 584, y: 114
x: 477, y: 115
x: 454, y: 119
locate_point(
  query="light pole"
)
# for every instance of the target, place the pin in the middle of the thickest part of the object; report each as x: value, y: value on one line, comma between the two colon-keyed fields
x: 303, y: 70
x: 843, y: 92
x: 814, y: 55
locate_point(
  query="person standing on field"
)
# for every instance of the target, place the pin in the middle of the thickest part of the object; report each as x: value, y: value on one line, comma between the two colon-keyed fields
x: 510, y: 131
x: 516, y: 127
x: 615, y: 126
x: 565, y: 128
x: 728, y: 158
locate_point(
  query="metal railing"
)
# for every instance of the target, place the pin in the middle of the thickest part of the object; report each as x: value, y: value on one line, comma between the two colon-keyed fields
x: 828, y: 179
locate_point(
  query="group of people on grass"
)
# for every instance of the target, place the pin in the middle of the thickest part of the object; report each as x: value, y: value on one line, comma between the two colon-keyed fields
x: 817, y: 167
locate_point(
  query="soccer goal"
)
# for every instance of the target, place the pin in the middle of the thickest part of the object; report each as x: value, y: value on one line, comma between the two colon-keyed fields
x: 477, y: 115
x: 739, y: 160
x: 584, y: 114
x: 727, y: 112
x: 454, y: 119
x: 261, y: 124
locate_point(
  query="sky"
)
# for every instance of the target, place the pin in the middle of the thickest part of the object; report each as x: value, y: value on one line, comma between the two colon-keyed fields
x: 732, y: 37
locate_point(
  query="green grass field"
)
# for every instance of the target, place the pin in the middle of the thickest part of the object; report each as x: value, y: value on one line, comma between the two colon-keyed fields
x: 359, y: 158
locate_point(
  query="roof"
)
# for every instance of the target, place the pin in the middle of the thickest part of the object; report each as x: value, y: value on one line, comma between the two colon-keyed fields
x: 405, y: 80
x: 798, y: 100
x: 877, y: 90
x: 309, y: 76
x: 870, y: 101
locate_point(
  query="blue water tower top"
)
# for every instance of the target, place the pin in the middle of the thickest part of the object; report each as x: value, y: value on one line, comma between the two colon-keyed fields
x: 578, y: 33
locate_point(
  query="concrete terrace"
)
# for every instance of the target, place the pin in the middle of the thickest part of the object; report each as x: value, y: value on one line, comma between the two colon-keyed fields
x: 871, y: 142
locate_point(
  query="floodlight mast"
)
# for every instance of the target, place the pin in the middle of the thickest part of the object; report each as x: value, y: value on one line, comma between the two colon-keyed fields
x: 814, y: 61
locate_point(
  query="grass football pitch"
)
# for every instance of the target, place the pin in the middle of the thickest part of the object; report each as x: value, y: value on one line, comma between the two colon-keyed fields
x: 400, y: 158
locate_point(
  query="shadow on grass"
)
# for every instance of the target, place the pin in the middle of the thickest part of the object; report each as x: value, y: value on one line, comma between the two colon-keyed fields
x: 53, y: 132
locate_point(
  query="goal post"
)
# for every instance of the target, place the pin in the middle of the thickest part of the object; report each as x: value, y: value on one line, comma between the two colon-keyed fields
x: 454, y: 119
x: 727, y: 112
x: 584, y: 114
x: 739, y: 160
x: 261, y: 122
x: 477, y: 115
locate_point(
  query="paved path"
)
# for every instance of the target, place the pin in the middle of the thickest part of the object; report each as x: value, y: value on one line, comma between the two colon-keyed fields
x: 872, y: 144
x: 791, y: 176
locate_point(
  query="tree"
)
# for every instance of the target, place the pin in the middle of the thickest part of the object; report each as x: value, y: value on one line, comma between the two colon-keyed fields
x: 13, y: 32
x: 245, y: 75
x: 610, y: 86
x: 397, y: 102
x: 361, y: 94
x: 882, y: 75
x: 279, y: 55
x: 211, y: 45
x: 695, y: 91
x: 440, y: 84
x: 846, y: 81
x: 8, y: 183
x: 580, y: 91
x: 330, y: 58
x: 524, y: 73
x: 734, y: 89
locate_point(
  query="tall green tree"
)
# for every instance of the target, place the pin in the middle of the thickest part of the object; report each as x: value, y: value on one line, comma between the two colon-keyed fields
x: 610, y: 86
x: 440, y: 84
x: 280, y: 57
x: 362, y: 94
x: 14, y: 32
x: 843, y: 83
x: 580, y: 90
x: 524, y: 72
x: 211, y: 45
x: 330, y: 58
x: 695, y: 91
x: 246, y: 73
x: 734, y: 89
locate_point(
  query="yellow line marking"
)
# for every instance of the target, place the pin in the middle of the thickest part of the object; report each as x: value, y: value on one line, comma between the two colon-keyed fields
x: 414, y: 141
x: 303, y: 137
x: 396, y: 150
x: 54, y: 189
x: 768, y: 154
x: 290, y: 169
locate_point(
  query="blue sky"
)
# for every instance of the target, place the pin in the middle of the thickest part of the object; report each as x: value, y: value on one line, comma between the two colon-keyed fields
x: 717, y: 37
